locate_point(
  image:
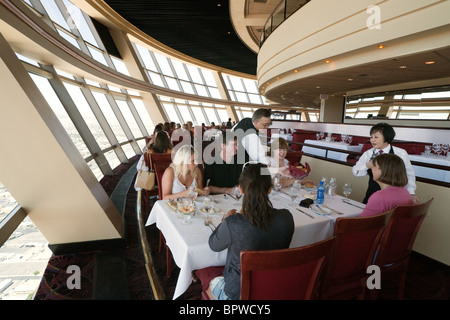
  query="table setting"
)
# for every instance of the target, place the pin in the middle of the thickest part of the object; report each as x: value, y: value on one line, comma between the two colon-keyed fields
x: 188, y: 223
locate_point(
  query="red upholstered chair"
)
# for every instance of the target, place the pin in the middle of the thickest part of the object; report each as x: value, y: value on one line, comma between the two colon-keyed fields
x: 396, y: 244
x: 294, y: 156
x: 356, y: 242
x: 284, y: 274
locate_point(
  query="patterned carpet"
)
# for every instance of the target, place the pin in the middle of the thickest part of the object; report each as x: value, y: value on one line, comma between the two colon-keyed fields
x: 426, y: 280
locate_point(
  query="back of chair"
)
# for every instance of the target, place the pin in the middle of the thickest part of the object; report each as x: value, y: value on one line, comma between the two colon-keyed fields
x: 401, y: 231
x: 356, y: 242
x: 294, y: 156
x: 160, y: 165
x: 160, y: 157
x: 284, y: 274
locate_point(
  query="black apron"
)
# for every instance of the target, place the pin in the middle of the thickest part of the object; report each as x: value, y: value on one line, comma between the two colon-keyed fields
x: 246, y: 125
x: 373, y: 185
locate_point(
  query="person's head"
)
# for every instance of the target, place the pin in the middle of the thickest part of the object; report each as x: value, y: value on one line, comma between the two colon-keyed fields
x: 158, y: 128
x: 389, y: 169
x: 161, y: 143
x: 261, y: 118
x: 255, y: 183
x: 279, y: 148
x: 229, y: 143
x: 183, y: 161
x: 381, y: 135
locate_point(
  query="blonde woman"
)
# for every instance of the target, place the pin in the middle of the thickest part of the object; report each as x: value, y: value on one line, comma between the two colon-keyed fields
x: 181, y: 175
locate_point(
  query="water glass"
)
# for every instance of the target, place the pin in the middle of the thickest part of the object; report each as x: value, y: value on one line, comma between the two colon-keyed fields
x: 427, y: 150
x: 347, y: 189
x: 208, y: 204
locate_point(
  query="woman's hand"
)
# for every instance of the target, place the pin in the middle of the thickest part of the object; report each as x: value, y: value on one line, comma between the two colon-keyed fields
x: 229, y: 213
x: 206, y: 191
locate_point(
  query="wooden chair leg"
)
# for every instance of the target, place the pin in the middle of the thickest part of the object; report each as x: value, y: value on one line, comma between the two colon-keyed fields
x: 168, y: 262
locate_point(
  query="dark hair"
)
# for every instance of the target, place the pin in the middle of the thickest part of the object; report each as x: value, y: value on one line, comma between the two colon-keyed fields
x: 393, y: 171
x: 386, y: 130
x: 162, y: 143
x: 256, y: 182
x: 263, y: 112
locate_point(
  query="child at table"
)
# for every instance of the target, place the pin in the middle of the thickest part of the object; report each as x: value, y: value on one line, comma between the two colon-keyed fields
x: 381, y: 136
x: 390, y: 173
x: 279, y: 148
x: 258, y: 226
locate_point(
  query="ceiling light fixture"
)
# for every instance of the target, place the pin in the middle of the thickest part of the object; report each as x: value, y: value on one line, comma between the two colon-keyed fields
x: 430, y: 62
x: 327, y: 61
x: 402, y: 67
x: 381, y: 46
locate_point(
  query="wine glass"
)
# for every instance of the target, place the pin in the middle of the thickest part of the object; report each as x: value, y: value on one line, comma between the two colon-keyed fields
x: 322, y: 134
x: 317, y: 136
x: 276, y: 186
x: 208, y: 204
x: 332, y: 187
x: 427, y: 150
x: 349, y: 139
x: 293, y: 192
x: 445, y: 147
x: 186, y: 208
x: 437, y: 148
x: 192, y: 194
x: 347, y: 189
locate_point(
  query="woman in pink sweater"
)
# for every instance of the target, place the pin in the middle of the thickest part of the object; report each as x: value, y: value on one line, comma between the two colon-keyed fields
x: 390, y: 173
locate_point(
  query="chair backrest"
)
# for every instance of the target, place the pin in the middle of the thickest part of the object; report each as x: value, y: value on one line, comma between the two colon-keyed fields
x: 284, y: 274
x: 355, y: 245
x: 160, y: 157
x: 160, y: 162
x: 401, y: 231
x: 294, y: 156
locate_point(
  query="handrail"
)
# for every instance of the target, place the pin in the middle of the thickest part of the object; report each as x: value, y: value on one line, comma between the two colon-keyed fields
x: 281, y: 8
x: 157, y: 290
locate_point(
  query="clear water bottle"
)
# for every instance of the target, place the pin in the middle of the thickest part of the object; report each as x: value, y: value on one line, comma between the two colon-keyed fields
x: 320, y: 193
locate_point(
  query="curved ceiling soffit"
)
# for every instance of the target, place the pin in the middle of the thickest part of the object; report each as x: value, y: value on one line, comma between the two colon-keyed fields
x: 102, y: 12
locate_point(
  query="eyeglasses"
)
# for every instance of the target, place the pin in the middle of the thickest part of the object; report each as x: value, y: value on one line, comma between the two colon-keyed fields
x: 265, y: 125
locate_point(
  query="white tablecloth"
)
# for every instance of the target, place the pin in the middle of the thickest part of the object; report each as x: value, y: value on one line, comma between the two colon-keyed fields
x: 431, y: 173
x: 189, y: 243
x: 331, y: 154
x: 285, y: 136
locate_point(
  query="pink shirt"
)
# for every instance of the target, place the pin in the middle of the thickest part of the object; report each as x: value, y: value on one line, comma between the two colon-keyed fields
x: 385, y: 200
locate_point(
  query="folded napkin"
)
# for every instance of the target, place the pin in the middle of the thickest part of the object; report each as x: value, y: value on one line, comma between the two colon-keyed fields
x: 172, y: 205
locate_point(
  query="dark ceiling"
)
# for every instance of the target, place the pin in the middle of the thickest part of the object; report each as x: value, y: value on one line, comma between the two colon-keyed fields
x: 199, y: 28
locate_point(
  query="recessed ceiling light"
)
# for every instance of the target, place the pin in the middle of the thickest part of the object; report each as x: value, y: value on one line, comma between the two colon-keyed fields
x: 278, y: 78
x: 295, y: 70
x: 327, y: 61
x: 381, y: 46
x: 430, y: 62
x: 402, y: 67
x: 349, y: 79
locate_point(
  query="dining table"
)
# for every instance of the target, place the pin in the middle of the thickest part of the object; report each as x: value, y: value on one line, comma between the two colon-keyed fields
x: 188, y: 242
x: 428, y: 172
x: 336, y: 155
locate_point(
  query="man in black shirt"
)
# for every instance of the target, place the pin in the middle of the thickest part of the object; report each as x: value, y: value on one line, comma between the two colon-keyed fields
x: 223, y: 169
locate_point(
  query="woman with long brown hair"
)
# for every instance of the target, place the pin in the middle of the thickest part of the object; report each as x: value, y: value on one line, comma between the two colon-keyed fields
x: 258, y: 226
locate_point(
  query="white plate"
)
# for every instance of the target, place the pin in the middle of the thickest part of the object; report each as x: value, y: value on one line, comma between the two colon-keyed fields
x: 323, y: 212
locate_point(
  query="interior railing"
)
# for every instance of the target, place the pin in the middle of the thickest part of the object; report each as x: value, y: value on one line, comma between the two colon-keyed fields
x: 281, y: 12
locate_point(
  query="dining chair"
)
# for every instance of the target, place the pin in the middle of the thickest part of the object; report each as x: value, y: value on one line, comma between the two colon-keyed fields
x: 283, y: 274
x: 396, y: 244
x: 294, y: 156
x: 355, y: 245
x: 160, y: 165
